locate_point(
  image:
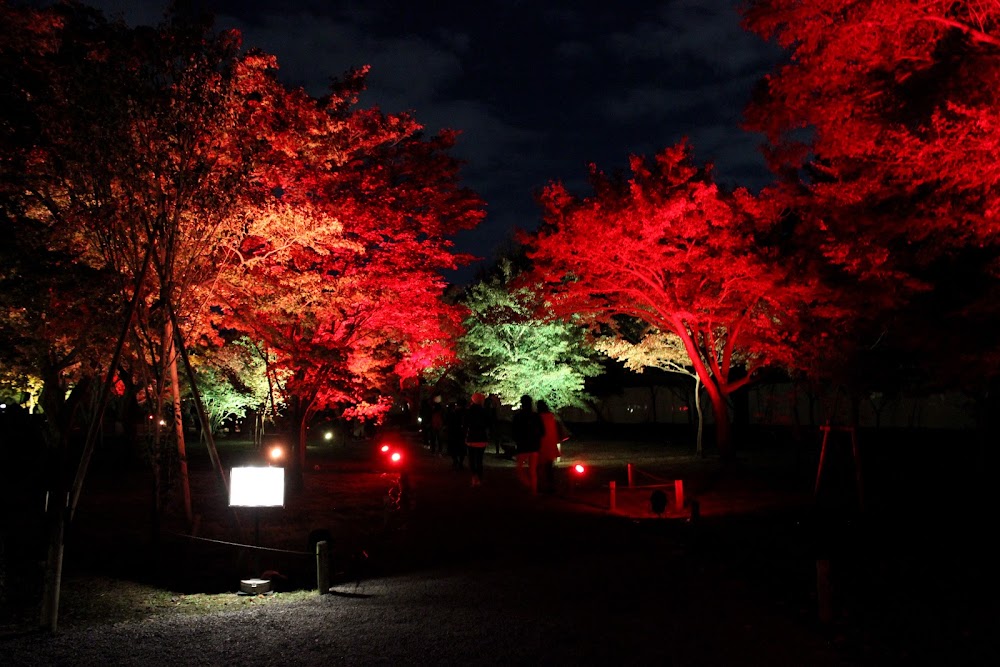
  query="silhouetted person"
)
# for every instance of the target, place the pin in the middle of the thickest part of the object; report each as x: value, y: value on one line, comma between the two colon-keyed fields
x: 493, y: 413
x: 477, y: 435
x: 527, y: 430
x: 437, y: 427
x: 548, y: 450
x: 454, y: 433
x: 425, y: 421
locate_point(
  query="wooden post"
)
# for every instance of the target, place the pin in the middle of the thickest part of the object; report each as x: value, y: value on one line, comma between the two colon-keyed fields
x: 679, y: 493
x: 611, y: 487
x: 822, y: 456
x: 824, y: 592
x: 630, y: 476
x: 323, y: 567
x: 855, y: 454
x: 857, y: 470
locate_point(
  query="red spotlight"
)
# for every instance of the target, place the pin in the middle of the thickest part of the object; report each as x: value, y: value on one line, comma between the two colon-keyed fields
x: 384, y: 449
x: 396, y: 457
x: 579, y: 469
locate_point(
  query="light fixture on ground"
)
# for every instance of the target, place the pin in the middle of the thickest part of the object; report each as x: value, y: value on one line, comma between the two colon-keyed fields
x: 256, y: 487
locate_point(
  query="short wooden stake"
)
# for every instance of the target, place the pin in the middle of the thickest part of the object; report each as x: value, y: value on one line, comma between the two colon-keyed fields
x: 824, y: 592
x: 323, y: 567
x: 679, y: 493
x: 631, y: 481
x: 611, y: 487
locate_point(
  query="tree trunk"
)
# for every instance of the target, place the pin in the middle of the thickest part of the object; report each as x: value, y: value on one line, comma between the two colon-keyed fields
x: 303, y: 436
x: 720, y: 410
x: 699, y: 442
x: 723, y: 430
x: 57, y: 512
x: 171, y: 360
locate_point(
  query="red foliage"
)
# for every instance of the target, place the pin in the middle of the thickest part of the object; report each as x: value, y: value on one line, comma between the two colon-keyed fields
x: 884, y: 119
x: 338, y: 270
x: 669, y: 248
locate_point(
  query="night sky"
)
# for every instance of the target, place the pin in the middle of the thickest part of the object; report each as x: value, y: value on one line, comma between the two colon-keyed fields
x: 539, y: 89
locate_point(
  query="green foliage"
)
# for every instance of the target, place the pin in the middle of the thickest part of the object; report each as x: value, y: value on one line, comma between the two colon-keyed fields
x: 513, y: 345
x: 231, y: 380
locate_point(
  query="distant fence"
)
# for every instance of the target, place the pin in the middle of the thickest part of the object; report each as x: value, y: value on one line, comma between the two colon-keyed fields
x: 321, y: 553
x: 655, y: 482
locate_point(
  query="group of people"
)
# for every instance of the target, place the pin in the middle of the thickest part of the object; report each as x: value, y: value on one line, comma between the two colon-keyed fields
x: 465, y: 431
x: 536, y: 435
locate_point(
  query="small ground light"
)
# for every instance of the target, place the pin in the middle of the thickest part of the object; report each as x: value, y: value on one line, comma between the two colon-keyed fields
x: 276, y: 453
x: 396, y: 457
x: 385, y: 448
x: 328, y: 435
x: 579, y: 469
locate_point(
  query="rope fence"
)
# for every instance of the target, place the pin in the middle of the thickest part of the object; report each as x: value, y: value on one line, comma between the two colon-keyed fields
x: 660, y: 483
x: 322, y: 554
x: 251, y: 547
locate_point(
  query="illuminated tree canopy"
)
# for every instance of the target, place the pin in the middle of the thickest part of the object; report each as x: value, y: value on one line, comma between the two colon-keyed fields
x: 670, y: 249
x: 315, y: 227
x: 514, y: 346
x: 884, y: 125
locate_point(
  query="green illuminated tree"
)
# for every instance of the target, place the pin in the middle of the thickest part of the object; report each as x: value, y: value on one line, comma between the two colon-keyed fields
x: 513, y: 346
x: 232, y: 379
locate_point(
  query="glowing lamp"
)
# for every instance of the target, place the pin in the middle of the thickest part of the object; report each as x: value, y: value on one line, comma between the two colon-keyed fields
x: 255, y: 486
x: 328, y: 435
x: 579, y: 469
x: 396, y: 457
x: 276, y: 453
x: 384, y: 448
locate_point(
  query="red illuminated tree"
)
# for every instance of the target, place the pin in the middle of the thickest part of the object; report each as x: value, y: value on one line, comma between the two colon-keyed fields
x: 151, y: 162
x: 669, y: 248
x: 338, y: 273
x: 884, y: 122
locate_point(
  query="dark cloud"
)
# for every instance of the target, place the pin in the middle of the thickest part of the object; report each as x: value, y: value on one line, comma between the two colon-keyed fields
x: 538, y: 89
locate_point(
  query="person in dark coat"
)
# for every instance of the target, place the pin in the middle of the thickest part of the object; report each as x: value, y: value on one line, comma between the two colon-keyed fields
x: 527, y: 430
x: 437, y: 427
x: 548, y: 450
x: 477, y: 435
x: 425, y: 421
x: 454, y: 433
